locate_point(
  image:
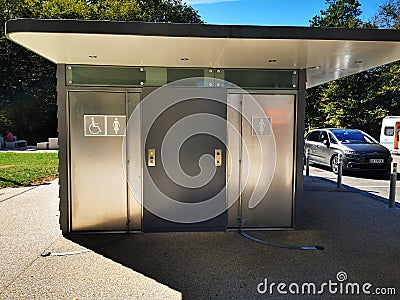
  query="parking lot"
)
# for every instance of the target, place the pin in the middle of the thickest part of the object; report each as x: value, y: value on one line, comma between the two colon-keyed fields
x: 369, y: 182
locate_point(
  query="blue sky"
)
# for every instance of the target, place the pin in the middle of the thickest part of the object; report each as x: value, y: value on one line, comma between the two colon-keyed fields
x: 269, y: 12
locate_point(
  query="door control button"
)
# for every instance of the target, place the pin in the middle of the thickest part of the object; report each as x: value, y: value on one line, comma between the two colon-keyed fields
x: 218, y: 157
x: 151, y: 157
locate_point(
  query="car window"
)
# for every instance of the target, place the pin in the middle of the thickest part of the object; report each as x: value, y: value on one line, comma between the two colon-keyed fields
x: 313, y: 136
x: 389, y: 131
x: 332, y: 139
x: 353, y: 137
x: 323, y: 136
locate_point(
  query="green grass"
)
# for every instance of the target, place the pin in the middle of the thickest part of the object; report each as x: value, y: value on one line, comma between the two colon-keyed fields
x: 27, y: 169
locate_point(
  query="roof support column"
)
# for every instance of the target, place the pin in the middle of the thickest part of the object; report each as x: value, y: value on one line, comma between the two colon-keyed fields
x: 299, y: 125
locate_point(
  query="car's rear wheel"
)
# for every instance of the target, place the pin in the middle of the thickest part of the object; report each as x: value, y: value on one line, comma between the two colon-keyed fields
x: 335, y: 163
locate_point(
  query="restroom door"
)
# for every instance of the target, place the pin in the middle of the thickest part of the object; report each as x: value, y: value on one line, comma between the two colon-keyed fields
x: 183, y: 134
x: 261, y: 143
x: 97, y: 178
x: 269, y: 168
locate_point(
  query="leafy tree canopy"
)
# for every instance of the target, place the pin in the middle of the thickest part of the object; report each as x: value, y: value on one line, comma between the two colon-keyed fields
x: 27, y: 81
x: 361, y: 100
x: 340, y: 13
x: 388, y: 15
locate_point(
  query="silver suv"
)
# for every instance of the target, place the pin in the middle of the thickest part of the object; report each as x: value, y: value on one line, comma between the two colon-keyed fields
x: 359, y: 150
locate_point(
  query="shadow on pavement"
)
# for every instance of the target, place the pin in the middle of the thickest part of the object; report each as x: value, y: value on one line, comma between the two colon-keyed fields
x: 379, y: 175
x: 199, y: 265
x: 360, y: 237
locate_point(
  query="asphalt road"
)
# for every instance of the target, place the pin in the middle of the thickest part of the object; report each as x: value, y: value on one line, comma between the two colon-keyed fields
x: 368, y: 182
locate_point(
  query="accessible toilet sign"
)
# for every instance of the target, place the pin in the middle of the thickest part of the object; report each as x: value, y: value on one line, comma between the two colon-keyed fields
x: 104, y: 125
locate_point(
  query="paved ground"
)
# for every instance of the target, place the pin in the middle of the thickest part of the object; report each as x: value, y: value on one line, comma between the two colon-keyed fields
x: 360, y: 236
x: 29, y: 227
x: 370, y: 182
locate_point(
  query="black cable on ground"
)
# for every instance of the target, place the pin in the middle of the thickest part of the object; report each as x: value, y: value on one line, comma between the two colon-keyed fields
x: 311, y: 248
x: 44, y: 254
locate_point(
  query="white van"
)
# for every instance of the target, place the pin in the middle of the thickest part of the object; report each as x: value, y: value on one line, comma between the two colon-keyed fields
x: 390, y: 132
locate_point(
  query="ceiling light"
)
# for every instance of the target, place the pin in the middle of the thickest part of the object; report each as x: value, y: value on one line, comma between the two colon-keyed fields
x: 272, y: 60
x: 184, y: 59
x: 92, y: 56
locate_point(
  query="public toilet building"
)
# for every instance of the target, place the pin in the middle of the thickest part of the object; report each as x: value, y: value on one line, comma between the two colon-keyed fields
x: 188, y: 127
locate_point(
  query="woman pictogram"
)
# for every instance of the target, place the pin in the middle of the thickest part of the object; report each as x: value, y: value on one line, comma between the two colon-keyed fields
x: 261, y: 126
x: 116, y: 125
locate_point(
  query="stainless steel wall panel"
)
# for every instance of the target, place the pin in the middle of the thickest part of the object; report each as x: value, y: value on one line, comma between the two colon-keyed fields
x: 299, y: 150
x: 63, y: 154
x: 97, y: 176
x: 134, y: 162
x: 233, y: 157
x: 181, y: 202
x: 267, y: 166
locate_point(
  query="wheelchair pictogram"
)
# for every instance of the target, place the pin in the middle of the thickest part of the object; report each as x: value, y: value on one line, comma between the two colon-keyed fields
x: 94, y: 127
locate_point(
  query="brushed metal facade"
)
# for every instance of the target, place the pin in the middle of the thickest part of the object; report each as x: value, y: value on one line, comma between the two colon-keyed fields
x: 158, y: 187
x: 267, y: 161
x: 233, y: 158
x: 97, y: 177
x: 133, y: 159
x: 106, y: 173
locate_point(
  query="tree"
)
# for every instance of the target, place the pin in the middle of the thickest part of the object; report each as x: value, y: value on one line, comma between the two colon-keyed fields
x: 314, y: 117
x: 24, y: 76
x: 65, y: 9
x: 321, y: 111
x: 388, y: 15
x: 340, y: 13
x: 27, y: 81
x: 168, y: 11
x: 117, y: 10
x: 355, y: 101
x: 387, y: 79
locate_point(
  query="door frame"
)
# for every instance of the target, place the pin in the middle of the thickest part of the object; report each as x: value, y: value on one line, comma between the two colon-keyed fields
x: 137, y: 226
x: 147, y: 91
x: 234, y: 197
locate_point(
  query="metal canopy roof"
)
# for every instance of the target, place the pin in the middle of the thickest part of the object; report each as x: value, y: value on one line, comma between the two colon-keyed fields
x: 326, y: 53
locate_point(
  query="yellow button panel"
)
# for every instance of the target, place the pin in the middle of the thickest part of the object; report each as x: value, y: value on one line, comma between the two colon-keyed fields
x: 218, y: 157
x: 151, y: 157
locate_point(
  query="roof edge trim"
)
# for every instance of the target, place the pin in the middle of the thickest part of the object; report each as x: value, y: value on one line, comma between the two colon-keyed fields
x: 198, y: 30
